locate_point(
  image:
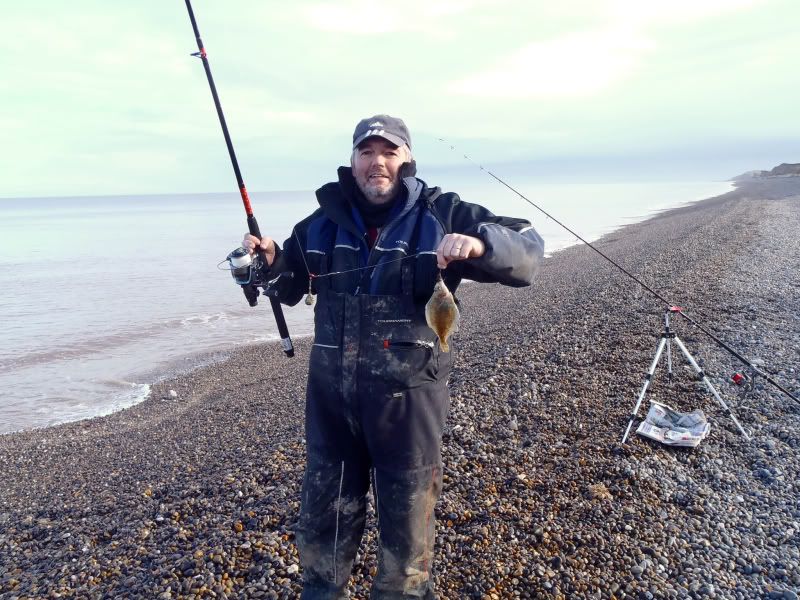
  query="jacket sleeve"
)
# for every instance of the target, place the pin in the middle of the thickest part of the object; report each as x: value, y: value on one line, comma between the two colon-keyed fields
x: 514, y: 249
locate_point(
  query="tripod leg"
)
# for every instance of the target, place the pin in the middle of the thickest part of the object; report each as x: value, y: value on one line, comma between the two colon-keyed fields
x: 669, y: 360
x: 648, y: 378
x: 710, y: 387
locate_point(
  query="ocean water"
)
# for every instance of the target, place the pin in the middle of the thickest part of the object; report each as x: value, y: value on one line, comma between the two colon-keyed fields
x: 102, y: 296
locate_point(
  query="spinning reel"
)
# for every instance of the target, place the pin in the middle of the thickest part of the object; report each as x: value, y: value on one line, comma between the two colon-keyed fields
x: 250, y: 272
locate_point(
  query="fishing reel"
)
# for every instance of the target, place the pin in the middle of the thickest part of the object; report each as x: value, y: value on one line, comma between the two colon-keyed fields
x: 745, y: 382
x: 250, y: 272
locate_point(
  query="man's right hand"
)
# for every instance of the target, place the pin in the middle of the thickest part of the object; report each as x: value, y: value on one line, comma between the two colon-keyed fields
x: 251, y: 242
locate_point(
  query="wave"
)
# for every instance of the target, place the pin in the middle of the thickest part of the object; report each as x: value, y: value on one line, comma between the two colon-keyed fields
x: 120, y: 383
x: 204, y: 319
x: 93, y: 345
x: 65, y: 409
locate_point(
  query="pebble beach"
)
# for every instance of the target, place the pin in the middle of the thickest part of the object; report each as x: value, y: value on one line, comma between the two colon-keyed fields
x: 194, y: 493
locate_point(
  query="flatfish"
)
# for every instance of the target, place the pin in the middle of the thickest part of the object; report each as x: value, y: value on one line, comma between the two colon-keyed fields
x: 441, y: 313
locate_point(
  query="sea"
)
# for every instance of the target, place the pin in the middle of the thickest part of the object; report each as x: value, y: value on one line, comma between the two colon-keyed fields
x: 101, y: 296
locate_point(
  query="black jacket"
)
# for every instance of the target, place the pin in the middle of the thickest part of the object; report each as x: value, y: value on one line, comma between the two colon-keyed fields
x: 333, y: 240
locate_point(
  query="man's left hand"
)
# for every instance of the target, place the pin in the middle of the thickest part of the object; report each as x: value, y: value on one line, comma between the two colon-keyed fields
x: 457, y: 246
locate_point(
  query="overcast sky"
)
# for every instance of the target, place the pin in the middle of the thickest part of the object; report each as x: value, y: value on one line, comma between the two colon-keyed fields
x: 102, y: 97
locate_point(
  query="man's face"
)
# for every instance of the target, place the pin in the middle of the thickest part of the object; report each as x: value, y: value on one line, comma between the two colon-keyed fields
x: 376, y: 164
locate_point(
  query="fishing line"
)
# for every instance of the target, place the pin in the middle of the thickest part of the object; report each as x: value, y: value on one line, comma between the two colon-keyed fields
x: 552, y: 218
x: 385, y: 262
x: 314, y: 276
x: 671, y: 307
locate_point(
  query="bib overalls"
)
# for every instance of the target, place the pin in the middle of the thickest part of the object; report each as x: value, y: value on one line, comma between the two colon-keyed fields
x: 376, y: 404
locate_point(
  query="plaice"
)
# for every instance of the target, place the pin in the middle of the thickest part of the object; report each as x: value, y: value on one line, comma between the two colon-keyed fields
x: 441, y: 313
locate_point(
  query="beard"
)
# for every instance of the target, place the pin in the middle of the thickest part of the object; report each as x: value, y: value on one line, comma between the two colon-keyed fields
x: 378, y: 194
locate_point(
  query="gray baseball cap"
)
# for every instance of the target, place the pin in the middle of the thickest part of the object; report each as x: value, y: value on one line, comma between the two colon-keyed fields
x: 389, y: 128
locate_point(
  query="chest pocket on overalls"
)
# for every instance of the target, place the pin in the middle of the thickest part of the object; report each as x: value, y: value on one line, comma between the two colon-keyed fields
x: 401, y: 353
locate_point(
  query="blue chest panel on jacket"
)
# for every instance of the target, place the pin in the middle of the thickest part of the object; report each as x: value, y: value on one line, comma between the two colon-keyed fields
x: 332, y: 248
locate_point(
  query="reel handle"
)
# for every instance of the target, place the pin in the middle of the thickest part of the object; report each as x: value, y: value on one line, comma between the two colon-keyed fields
x: 251, y: 293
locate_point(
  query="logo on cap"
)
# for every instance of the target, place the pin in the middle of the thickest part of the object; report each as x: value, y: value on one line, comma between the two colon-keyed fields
x: 389, y: 128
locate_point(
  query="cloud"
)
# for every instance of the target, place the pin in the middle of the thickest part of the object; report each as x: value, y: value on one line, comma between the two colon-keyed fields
x: 252, y: 112
x: 368, y: 18
x: 588, y: 62
x: 576, y: 64
x: 674, y: 11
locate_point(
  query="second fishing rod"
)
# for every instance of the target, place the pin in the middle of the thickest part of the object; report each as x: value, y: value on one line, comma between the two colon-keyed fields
x: 669, y: 306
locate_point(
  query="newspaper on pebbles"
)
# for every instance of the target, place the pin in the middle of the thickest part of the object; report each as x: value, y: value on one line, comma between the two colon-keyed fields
x: 673, y: 428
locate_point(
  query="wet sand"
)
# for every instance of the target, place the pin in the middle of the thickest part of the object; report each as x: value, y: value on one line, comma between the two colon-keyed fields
x: 196, y: 495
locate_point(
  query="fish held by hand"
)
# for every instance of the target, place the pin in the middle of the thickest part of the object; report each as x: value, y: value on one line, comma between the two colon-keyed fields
x: 441, y: 313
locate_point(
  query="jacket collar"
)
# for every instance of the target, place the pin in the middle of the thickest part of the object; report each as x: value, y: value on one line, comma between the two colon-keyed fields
x: 335, y: 198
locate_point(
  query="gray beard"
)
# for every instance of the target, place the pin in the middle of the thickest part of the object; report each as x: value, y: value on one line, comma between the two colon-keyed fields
x: 376, y: 196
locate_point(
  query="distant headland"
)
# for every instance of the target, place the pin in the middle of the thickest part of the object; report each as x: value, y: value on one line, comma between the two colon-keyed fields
x: 782, y: 170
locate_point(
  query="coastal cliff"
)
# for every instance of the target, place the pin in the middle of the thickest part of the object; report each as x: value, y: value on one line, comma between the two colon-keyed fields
x: 782, y: 170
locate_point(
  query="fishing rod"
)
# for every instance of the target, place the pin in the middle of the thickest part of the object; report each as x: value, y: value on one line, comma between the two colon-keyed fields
x: 249, y: 287
x: 737, y: 378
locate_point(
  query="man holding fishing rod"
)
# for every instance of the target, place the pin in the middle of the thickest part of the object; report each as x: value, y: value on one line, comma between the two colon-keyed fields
x: 377, y: 394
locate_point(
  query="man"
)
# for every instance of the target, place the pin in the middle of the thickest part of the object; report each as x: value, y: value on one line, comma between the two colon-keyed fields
x: 377, y: 393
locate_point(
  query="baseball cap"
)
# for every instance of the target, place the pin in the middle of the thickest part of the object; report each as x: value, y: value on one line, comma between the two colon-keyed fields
x: 389, y: 128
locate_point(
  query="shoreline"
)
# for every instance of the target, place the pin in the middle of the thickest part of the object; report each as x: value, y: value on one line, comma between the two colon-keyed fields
x: 539, y: 497
x: 92, y: 393
x: 178, y: 366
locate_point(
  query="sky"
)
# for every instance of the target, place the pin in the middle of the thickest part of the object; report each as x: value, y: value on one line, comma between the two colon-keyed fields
x: 103, y: 97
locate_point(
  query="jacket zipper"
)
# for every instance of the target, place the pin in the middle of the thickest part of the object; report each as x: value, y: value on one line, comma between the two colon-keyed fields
x: 365, y: 239
x: 378, y: 239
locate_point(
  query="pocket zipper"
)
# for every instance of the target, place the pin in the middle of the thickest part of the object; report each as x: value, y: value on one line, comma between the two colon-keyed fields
x: 417, y: 344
